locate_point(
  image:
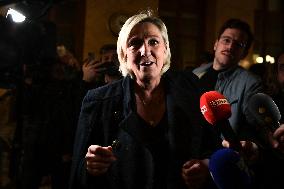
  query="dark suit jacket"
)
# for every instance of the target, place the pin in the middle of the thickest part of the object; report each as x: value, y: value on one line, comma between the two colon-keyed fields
x: 109, y: 113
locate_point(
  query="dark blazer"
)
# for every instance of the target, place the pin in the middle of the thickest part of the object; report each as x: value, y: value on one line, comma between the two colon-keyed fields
x: 109, y: 114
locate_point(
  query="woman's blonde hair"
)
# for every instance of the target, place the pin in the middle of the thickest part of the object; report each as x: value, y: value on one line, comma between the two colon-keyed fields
x: 145, y: 16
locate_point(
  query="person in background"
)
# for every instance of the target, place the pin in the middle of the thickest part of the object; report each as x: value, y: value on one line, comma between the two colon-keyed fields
x: 272, y: 161
x: 50, y: 120
x: 110, y: 63
x: 97, y: 73
x: 143, y: 131
x: 274, y: 82
x: 278, y: 97
x: 272, y: 76
x: 237, y: 85
x: 234, y: 82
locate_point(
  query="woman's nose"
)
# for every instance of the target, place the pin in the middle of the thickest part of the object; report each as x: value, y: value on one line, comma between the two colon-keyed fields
x: 145, y: 50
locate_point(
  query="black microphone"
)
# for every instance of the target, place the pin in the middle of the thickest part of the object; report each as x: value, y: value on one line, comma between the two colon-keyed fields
x: 229, y: 170
x: 264, y: 111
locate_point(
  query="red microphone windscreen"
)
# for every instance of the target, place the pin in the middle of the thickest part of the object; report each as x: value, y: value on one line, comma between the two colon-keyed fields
x: 215, y: 107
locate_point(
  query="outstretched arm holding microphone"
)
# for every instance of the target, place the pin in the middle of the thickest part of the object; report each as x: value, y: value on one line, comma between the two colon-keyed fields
x: 227, y: 166
x: 217, y: 110
x: 230, y: 167
x: 267, y: 115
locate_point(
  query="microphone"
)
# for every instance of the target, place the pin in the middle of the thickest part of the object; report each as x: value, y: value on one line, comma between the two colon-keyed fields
x: 229, y: 170
x: 216, y: 109
x: 265, y: 111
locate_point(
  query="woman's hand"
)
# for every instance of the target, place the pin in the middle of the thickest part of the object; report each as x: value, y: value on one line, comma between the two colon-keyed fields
x: 195, y: 173
x: 98, y: 159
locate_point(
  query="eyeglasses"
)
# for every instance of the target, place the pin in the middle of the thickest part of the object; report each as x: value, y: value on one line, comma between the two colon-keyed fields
x: 225, y: 40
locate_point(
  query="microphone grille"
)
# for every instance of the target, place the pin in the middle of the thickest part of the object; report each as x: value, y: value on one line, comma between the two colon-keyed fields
x: 264, y: 109
x: 214, y: 107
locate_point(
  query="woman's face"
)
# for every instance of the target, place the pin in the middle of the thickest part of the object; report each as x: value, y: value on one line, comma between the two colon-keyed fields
x: 146, y: 52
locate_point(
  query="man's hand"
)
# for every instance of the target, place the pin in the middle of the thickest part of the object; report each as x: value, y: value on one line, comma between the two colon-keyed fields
x: 249, y: 150
x: 92, y: 71
x: 277, y: 139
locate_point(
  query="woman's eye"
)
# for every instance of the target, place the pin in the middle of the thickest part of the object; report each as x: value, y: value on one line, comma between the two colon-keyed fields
x: 135, y: 43
x: 153, y: 42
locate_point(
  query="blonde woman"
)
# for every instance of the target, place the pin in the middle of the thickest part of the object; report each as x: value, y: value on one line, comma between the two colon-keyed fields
x: 145, y: 130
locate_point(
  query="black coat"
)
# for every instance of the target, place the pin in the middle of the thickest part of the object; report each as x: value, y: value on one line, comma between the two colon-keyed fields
x: 109, y: 113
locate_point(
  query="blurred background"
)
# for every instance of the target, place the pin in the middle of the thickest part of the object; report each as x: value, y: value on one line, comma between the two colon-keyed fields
x: 85, y: 25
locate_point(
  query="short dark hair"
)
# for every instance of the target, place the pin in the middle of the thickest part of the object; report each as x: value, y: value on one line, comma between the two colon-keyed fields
x: 235, y: 23
x: 107, y: 47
